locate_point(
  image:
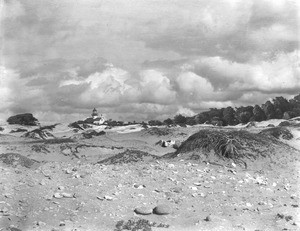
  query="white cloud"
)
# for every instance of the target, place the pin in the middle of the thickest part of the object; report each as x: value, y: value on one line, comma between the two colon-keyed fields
x: 156, y: 88
x: 194, y: 87
x: 11, y: 9
x: 7, y: 81
x: 185, y: 111
x: 276, y: 75
x: 200, y: 54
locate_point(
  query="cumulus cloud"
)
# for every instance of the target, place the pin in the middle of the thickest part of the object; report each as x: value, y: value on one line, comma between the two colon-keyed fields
x: 59, y: 56
x: 115, y: 86
x: 276, y: 75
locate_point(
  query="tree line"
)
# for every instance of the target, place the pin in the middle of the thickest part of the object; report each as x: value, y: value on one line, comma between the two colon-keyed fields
x: 277, y: 108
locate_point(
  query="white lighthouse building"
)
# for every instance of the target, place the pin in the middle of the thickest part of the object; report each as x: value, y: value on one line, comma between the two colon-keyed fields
x: 96, y: 118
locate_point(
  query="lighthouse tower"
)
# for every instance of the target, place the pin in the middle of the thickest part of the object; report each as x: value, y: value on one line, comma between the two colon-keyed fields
x: 94, y: 114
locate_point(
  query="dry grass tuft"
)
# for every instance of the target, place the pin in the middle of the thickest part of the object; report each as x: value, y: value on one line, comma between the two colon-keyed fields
x: 278, y: 132
x: 159, y: 131
x: 235, y: 145
x: 129, y: 156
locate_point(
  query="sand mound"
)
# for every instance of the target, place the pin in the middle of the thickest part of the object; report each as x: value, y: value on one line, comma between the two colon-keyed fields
x: 17, y: 159
x: 129, y: 156
x: 230, y: 144
x: 278, y: 132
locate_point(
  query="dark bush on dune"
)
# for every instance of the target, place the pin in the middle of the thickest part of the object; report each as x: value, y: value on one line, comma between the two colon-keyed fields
x: 129, y: 156
x: 232, y: 144
x: 23, y: 119
x: 224, y: 144
x: 75, y: 125
x: 278, y: 132
x: 284, y: 124
x: 159, y: 131
x: 91, y: 134
x: 41, y: 132
x: 1, y: 129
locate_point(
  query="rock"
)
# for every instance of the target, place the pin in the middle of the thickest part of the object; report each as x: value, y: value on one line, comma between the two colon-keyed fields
x: 43, y: 182
x: 48, y: 197
x: 68, y: 171
x: 40, y: 223
x: 165, y: 143
x: 177, y: 189
x: 23, y: 119
x: 288, y: 218
x: 58, y: 195
x: 66, y: 152
x: 208, y: 218
x: 109, y: 198
x: 139, y: 186
x: 248, y: 204
x: 171, y: 166
x: 67, y: 195
x: 143, y: 210
x: 162, y: 209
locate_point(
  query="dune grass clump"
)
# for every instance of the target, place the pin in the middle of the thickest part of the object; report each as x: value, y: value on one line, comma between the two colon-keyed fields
x: 233, y: 144
x: 159, y: 131
x: 223, y: 144
x: 278, y: 132
x: 129, y: 156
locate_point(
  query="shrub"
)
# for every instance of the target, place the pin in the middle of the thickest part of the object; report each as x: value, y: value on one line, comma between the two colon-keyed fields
x: 278, y: 132
x: 23, y: 119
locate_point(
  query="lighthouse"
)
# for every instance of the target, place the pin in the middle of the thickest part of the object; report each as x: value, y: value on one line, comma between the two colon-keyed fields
x: 94, y: 114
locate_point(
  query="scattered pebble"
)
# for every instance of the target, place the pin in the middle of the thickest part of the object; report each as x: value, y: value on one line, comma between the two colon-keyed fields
x: 61, y: 187
x: 67, y: 195
x: 208, y: 218
x: 109, y: 198
x: 57, y: 195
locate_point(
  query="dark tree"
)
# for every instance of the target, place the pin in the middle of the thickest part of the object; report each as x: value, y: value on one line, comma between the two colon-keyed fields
x: 229, y: 116
x: 282, y: 104
x: 278, y: 113
x: 214, y: 112
x: 168, y: 121
x: 191, y: 120
x: 258, y: 114
x: 179, y: 119
x: 294, y: 106
x: 269, y: 110
x: 244, y: 114
x: 155, y: 123
x: 202, y: 118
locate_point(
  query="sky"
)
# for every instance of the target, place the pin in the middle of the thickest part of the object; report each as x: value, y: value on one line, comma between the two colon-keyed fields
x: 145, y: 59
